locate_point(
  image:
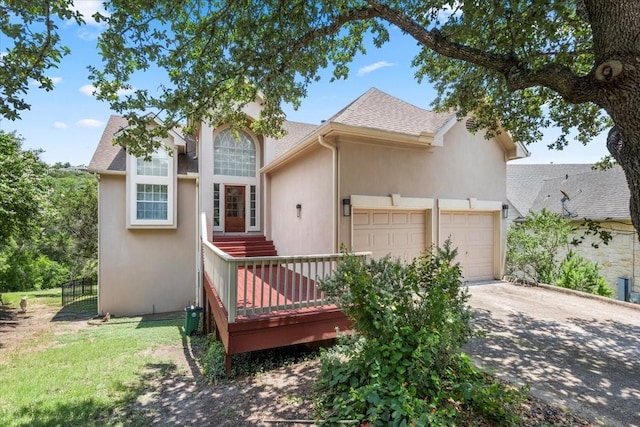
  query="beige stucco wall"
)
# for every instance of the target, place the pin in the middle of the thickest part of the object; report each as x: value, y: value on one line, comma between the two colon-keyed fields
x: 307, y: 182
x: 145, y: 271
x: 466, y: 166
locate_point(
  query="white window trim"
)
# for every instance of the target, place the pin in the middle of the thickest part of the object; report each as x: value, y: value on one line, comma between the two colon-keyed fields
x: 133, y: 179
x: 247, y: 182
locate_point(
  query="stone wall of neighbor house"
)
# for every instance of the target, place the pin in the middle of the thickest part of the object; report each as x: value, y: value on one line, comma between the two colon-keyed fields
x: 143, y: 271
x: 620, y: 258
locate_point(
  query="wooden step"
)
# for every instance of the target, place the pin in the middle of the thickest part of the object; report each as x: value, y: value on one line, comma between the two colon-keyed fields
x: 241, y: 246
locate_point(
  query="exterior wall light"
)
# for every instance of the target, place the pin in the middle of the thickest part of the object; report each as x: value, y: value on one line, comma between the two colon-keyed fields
x: 298, y: 210
x: 505, y: 211
x: 346, y: 207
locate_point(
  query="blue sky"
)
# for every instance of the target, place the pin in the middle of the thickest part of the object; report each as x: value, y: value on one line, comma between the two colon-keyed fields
x: 67, y: 122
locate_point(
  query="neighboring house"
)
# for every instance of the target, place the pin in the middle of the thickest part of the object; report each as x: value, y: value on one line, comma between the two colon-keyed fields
x: 576, y: 192
x: 381, y: 176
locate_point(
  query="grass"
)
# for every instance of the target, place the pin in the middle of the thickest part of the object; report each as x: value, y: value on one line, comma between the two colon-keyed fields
x: 84, y: 378
x: 50, y: 297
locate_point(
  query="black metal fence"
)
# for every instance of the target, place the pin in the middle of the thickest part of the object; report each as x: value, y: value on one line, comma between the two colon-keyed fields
x: 80, y: 289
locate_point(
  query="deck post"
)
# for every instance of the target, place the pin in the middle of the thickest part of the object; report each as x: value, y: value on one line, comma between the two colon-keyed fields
x: 232, y: 283
x: 227, y: 363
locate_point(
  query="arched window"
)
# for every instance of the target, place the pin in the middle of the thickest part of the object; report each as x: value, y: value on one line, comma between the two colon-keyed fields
x: 234, y: 154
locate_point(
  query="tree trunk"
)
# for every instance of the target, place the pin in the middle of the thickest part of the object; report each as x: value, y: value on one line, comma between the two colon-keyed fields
x: 626, y: 151
x: 615, y: 26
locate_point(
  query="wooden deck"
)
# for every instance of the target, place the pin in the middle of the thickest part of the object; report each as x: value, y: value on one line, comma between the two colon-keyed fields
x: 259, y: 289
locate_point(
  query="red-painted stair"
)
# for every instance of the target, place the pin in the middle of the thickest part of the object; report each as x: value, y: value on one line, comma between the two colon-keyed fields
x: 240, y: 246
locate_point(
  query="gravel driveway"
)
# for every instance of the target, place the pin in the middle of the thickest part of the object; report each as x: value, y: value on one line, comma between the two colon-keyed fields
x: 578, y: 352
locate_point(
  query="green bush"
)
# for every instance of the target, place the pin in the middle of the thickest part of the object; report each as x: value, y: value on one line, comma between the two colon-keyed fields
x: 532, y: 246
x: 403, y: 364
x: 582, y: 275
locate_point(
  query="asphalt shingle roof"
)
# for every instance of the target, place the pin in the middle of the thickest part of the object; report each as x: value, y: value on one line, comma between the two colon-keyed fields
x: 112, y: 158
x: 593, y: 194
x: 296, y: 132
x: 373, y: 110
x: 379, y: 110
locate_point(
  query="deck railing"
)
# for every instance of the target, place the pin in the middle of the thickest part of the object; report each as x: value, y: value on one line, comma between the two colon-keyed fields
x: 256, y: 285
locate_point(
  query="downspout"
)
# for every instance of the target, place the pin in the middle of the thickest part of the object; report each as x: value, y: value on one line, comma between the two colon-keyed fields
x: 199, y: 300
x: 334, y: 196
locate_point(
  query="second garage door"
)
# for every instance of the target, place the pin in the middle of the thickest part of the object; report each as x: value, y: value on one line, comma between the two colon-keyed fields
x: 473, y: 234
x: 400, y: 233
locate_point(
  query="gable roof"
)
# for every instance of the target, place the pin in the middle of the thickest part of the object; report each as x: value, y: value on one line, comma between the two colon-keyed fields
x: 378, y: 110
x: 296, y: 131
x: 375, y: 114
x: 593, y: 194
x: 110, y: 158
x: 388, y: 120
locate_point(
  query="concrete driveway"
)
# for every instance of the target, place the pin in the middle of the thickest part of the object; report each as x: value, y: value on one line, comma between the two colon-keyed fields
x: 578, y: 352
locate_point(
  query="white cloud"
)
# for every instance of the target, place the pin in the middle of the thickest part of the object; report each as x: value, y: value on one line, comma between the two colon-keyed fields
x: 60, y: 125
x: 88, y: 90
x: 87, y: 8
x: 122, y: 92
x: 86, y: 34
x: 372, y: 67
x: 89, y: 123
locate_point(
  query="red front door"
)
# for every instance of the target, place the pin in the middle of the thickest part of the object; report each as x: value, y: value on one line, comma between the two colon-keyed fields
x: 234, y: 209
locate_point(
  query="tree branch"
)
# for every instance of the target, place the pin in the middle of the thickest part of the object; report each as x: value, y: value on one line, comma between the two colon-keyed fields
x: 518, y: 76
x: 333, y: 27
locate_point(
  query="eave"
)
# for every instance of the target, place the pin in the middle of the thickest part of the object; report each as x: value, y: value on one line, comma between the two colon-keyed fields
x: 332, y: 130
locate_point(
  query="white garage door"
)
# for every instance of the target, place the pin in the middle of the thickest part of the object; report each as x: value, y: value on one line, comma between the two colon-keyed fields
x: 473, y: 235
x: 396, y: 232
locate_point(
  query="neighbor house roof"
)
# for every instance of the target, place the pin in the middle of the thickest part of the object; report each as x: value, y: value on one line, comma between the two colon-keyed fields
x: 112, y: 158
x: 593, y: 194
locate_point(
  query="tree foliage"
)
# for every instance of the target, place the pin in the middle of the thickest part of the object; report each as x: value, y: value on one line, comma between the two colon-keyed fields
x: 533, y: 245
x: 23, y: 188
x: 60, y: 243
x: 517, y: 65
x: 31, y: 47
x: 404, y: 364
x: 533, y: 248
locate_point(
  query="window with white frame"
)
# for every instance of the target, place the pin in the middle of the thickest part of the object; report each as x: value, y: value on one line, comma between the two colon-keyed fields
x: 151, y: 190
x: 234, y: 154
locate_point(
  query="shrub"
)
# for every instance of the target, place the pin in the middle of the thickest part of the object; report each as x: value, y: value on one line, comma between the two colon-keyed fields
x: 532, y: 246
x: 403, y: 364
x: 582, y: 275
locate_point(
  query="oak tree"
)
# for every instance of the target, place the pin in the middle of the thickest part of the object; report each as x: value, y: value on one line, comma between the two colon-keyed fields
x: 517, y: 65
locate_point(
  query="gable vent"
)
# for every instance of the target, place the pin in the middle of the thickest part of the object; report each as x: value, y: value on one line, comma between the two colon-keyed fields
x: 471, y: 125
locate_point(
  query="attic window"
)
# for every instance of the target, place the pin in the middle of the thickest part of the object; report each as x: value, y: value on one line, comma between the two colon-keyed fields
x: 471, y: 125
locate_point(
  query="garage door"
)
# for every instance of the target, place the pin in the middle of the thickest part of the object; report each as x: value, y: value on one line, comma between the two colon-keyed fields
x: 473, y: 235
x: 396, y: 232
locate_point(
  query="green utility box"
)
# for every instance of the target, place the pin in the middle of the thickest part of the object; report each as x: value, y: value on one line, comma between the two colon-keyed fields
x: 191, y: 319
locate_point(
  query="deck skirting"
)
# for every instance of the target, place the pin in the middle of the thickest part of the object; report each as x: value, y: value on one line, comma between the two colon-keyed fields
x: 269, y: 329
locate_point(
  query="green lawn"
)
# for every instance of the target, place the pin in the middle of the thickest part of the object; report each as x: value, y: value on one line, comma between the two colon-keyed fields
x: 51, y: 297
x: 83, y: 378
